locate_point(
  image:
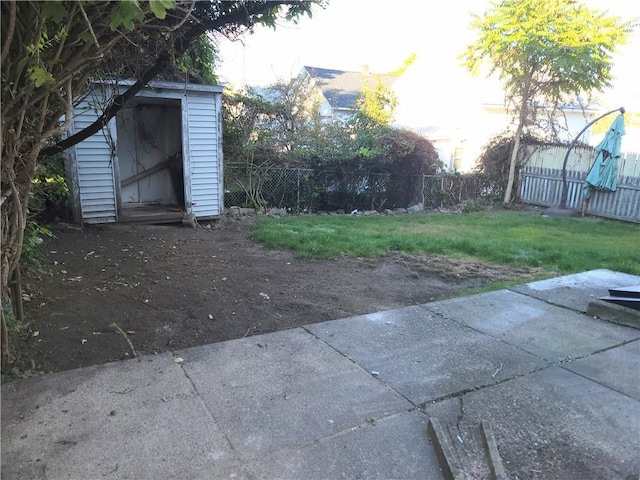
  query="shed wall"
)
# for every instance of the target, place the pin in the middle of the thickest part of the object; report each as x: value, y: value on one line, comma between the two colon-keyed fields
x: 94, y: 174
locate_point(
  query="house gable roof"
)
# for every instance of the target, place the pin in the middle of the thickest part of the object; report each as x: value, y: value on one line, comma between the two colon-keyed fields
x: 342, y: 88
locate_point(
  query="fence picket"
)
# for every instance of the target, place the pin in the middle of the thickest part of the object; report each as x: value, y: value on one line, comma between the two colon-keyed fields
x: 541, y: 183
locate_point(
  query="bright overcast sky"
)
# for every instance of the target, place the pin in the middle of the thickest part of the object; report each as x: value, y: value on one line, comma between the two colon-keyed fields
x: 349, y: 34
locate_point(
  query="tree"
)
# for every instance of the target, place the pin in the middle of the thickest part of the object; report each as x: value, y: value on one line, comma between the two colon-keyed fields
x: 376, y: 105
x: 281, y: 122
x: 49, y: 52
x: 545, y: 52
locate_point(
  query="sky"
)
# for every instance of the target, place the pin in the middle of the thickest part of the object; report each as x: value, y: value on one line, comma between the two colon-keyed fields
x: 381, y: 34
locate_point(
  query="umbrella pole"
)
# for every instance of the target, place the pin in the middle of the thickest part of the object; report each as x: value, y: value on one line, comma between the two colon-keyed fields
x: 565, y: 185
x: 585, y: 205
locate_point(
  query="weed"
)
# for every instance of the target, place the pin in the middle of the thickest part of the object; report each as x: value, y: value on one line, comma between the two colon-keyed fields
x: 33, y: 250
x: 469, y: 206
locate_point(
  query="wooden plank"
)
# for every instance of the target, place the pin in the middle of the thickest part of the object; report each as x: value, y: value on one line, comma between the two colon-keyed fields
x: 144, y: 174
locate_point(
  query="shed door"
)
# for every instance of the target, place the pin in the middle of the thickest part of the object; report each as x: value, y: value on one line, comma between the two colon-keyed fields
x: 150, y: 153
x: 203, y: 146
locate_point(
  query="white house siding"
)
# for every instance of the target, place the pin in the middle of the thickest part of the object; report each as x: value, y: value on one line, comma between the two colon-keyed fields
x: 93, y: 165
x: 204, y: 140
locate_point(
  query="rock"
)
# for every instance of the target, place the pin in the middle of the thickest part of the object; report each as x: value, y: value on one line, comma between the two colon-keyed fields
x: 368, y: 213
x: 189, y: 220
x: 340, y: 211
x: 560, y: 212
x: 399, y: 210
x: 276, y: 212
x: 387, y: 211
x: 415, y: 208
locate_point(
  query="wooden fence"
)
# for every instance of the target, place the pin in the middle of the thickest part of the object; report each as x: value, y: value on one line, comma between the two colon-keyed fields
x: 541, y: 182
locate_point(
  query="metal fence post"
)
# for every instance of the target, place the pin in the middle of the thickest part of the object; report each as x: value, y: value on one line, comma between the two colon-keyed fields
x: 298, y: 199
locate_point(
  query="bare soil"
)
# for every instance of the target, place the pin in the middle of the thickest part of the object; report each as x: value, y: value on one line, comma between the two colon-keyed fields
x: 172, y: 287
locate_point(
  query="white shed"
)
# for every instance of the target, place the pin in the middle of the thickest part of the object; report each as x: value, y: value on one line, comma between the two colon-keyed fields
x: 158, y: 160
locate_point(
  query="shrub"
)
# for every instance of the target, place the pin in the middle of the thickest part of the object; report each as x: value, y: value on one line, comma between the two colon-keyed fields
x: 49, y: 198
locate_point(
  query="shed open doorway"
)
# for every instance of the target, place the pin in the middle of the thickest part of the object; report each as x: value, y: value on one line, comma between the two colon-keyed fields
x: 150, y: 161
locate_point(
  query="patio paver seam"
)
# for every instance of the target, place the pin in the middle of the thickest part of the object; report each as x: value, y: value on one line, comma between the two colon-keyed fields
x: 548, y: 302
x: 212, y: 417
x: 599, y: 383
x: 414, y: 405
x: 443, y: 316
x: 461, y: 393
x: 336, y: 434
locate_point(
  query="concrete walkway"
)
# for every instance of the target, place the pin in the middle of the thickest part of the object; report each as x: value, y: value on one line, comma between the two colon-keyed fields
x: 351, y: 398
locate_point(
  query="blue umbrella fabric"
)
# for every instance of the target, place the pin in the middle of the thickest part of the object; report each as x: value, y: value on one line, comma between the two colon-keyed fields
x: 604, y: 171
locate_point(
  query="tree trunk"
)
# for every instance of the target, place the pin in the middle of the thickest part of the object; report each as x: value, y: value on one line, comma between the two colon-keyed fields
x: 508, y: 193
x: 522, y: 118
x: 4, y: 340
x: 12, y: 234
x: 13, y: 218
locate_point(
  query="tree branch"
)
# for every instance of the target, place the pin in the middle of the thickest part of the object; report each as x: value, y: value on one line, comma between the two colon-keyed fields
x: 242, y: 16
x: 86, y: 19
x: 116, y: 105
x: 9, y: 34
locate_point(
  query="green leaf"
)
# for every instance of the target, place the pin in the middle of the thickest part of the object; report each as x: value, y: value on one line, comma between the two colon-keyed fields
x: 86, y: 37
x: 125, y: 13
x: 159, y: 7
x: 54, y: 11
x: 40, y: 76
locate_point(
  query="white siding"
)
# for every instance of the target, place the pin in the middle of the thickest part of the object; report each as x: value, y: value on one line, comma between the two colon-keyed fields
x: 204, y: 137
x: 94, y: 169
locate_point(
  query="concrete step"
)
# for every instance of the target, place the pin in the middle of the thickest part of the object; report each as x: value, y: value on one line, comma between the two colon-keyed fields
x: 466, y: 453
x: 615, y: 313
x: 626, y: 292
x: 629, y: 302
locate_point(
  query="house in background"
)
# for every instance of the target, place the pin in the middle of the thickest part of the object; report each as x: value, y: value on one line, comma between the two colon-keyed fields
x: 156, y: 161
x: 460, y: 114
x: 339, y: 89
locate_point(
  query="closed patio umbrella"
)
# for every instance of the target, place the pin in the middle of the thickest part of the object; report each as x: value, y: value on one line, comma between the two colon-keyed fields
x: 604, y: 170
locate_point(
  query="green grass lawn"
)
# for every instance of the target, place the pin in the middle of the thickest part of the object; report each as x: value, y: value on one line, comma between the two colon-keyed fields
x: 559, y: 245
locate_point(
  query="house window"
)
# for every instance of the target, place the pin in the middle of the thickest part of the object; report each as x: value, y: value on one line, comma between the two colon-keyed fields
x: 457, y: 158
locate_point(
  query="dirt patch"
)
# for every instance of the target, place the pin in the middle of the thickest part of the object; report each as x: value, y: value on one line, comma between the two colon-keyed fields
x: 170, y: 287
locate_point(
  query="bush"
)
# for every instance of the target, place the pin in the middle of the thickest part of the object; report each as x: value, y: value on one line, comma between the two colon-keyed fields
x: 496, y: 157
x: 385, y: 170
x: 49, y: 198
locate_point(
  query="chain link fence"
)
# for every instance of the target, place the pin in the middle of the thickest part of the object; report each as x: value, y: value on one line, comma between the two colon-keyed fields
x: 306, y: 190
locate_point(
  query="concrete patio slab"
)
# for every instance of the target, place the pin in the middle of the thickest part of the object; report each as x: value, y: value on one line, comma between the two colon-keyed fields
x: 617, y: 368
x: 423, y: 356
x: 554, y: 424
x: 131, y: 419
x: 392, y: 447
x: 577, y: 290
x: 553, y: 333
x: 347, y: 399
x: 284, y: 389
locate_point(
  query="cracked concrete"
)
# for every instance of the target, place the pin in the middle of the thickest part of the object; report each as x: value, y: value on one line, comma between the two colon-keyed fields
x: 351, y: 398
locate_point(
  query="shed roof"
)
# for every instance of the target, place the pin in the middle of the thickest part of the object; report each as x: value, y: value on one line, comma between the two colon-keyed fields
x: 161, y: 85
x: 342, y: 88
